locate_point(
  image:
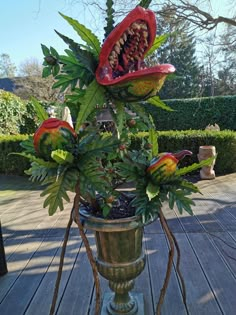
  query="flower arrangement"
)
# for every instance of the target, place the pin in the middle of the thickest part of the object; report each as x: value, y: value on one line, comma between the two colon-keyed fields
x: 96, y: 165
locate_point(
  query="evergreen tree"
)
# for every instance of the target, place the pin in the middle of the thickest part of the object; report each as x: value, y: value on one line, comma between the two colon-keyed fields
x: 179, y: 50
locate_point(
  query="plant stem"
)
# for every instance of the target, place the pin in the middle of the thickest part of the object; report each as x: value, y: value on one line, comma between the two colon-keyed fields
x: 170, y: 262
x: 59, y: 273
x: 88, y: 249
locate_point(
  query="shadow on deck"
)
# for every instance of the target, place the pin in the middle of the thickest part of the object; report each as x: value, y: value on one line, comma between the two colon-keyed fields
x: 33, y: 242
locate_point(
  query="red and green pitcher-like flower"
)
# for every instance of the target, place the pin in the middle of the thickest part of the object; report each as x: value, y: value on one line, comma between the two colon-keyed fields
x: 54, y: 134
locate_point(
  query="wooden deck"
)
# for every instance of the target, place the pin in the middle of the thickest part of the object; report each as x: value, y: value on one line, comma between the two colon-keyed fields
x: 33, y: 242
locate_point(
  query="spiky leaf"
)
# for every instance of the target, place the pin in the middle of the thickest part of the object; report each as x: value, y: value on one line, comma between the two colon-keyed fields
x: 85, y: 57
x: 86, y: 35
x: 62, y: 157
x: 95, y: 94
x: 195, y: 166
x: 152, y: 138
x: 152, y: 191
x: 40, y: 111
x: 156, y: 101
x: 159, y: 40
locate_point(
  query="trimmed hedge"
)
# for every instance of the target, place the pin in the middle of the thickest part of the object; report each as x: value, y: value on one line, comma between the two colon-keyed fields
x: 12, y: 164
x: 169, y: 141
x: 196, y: 113
x: 172, y: 141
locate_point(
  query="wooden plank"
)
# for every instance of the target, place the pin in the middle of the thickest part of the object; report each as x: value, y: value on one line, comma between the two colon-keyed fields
x: 27, y: 283
x: 200, y: 298
x: 154, y: 227
x: 227, y: 248
x: 78, y: 293
x: 222, y: 282
x: 17, y: 263
x: 203, y: 211
x: 143, y: 284
x: 157, y: 261
x: 42, y: 299
x: 172, y: 219
x: 226, y: 219
x: 190, y: 223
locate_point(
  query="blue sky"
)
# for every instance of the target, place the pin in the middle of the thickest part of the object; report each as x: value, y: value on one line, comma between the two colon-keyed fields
x: 25, y: 24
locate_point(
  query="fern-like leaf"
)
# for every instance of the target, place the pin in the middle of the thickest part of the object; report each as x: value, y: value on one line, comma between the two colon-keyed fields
x: 195, y: 166
x: 85, y: 57
x: 86, y: 35
x: 40, y: 111
x: 156, y: 101
x: 95, y: 94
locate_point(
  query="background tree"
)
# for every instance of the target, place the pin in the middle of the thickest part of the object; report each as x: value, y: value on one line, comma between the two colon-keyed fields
x: 30, y: 67
x: 178, y: 50
x: 7, y: 67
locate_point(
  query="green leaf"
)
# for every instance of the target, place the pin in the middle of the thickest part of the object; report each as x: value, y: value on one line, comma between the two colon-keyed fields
x: 195, y: 166
x: 152, y: 138
x: 55, y: 70
x: 144, y: 3
x: 39, y: 161
x: 156, y: 101
x: 46, y: 72
x: 152, y: 191
x: 95, y: 94
x: 40, y: 111
x: 159, y: 40
x: 28, y: 145
x: 140, y: 111
x: 57, y: 191
x: 85, y: 57
x: 62, y: 157
x: 45, y: 50
x: 86, y: 35
x: 119, y: 116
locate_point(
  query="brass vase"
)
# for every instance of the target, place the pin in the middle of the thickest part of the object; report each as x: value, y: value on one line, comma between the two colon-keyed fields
x: 120, y: 259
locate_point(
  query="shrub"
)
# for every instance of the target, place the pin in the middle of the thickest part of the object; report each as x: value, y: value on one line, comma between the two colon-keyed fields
x: 224, y: 141
x: 12, y: 110
x: 12, y: 164
x: 196, y: 113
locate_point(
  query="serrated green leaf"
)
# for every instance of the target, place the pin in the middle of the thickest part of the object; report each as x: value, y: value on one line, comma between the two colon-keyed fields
x: 85, y: 57
x: 195, y: 166
x: 95, y: 94
x: 45, y: 50
x: 152, y: 191
x: 152, y: 138
x: 156, y: 101
x: 62, y: 157
x: 159, y: 40
x: 33, y: 158
x: 46, y: 71
x: 40, y: 111
x: 144, y: 3
x: 28, y: 145
x: 86, y: 35
x: 56, y: 193
x: 54, y: 53
x: 55, y: 70
x: 171, y: 200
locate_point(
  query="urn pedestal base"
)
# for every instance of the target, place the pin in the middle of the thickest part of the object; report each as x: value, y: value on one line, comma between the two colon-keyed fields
x: 137, y: 297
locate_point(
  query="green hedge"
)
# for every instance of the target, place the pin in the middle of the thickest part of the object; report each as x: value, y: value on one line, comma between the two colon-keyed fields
x: 196, y: 113
x: 224, y: 141
x: 169, y: 141
x: 12, y: 164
